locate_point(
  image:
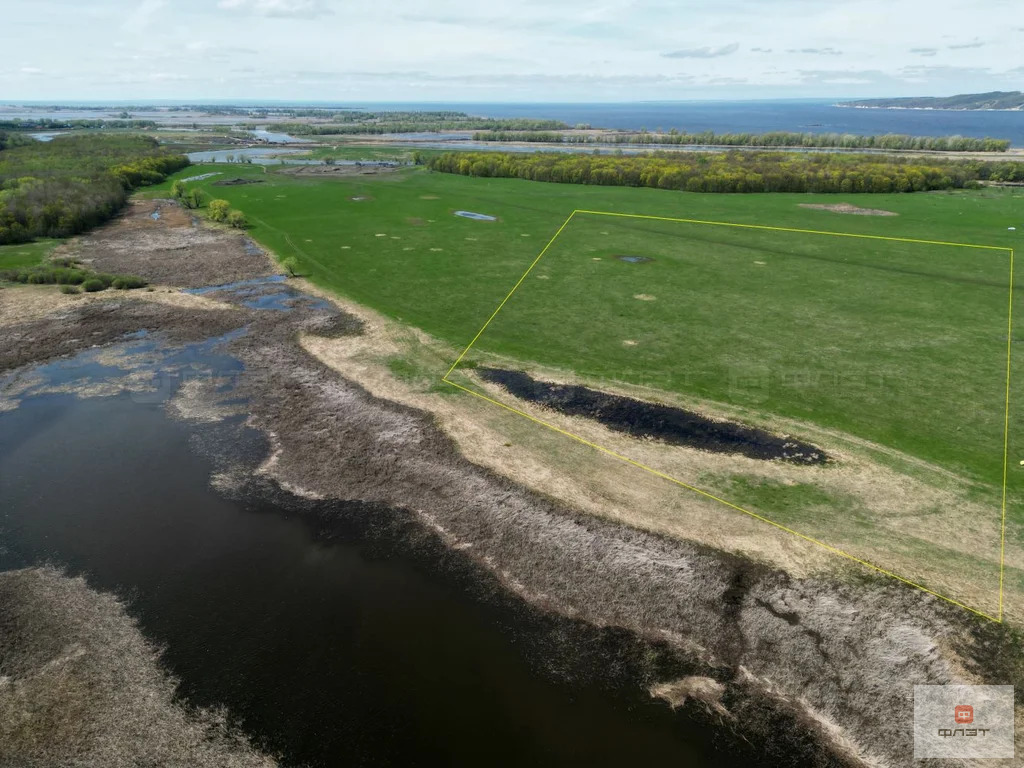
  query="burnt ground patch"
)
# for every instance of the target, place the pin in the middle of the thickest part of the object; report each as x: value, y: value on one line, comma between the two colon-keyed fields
x: 675, y: 426
x: 236, y: 182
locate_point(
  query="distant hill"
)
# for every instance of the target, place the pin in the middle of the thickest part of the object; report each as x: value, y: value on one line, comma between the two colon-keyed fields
x: 994, y: 100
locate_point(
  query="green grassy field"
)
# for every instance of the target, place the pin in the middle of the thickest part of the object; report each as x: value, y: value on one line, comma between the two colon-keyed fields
x: 25, y: 254
x: 901, y: 344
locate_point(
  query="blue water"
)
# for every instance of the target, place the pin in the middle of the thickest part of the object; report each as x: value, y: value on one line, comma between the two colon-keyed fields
x: 818, y: 115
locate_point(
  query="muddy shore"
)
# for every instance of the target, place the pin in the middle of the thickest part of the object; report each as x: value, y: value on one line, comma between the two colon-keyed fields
x: 765, y: 652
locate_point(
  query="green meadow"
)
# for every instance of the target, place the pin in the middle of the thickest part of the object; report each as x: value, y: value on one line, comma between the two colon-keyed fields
x: 903, y: 344
x: 25, y: 254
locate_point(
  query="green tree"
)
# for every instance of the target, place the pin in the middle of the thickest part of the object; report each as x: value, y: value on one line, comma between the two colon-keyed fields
x: 178, y: 189
x: 193, y: 198
x: 219, y: 209
x: 237, y: 220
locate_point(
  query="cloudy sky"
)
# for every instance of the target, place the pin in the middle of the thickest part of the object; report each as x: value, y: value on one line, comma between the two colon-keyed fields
x: 528, y: 50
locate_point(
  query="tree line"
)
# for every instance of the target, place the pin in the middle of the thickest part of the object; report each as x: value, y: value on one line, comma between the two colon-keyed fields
x: 48, y: 124
x: 66, y: 186
x: 889, y: 141
x: 734, y: 171
x: 414, y: 122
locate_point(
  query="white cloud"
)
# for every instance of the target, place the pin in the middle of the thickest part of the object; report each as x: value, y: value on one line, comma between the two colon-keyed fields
x: 703, y: 53
x: 447, y: 50
x: 297, y: 9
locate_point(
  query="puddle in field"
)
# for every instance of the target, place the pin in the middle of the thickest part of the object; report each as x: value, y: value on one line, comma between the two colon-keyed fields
x: 476, y: 216
x: 635, y: 259
x: 675, y: 426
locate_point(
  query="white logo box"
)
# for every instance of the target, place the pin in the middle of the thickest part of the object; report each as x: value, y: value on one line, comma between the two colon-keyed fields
x: 967, y: 721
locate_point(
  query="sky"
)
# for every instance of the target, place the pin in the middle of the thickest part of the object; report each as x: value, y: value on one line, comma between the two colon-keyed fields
x: 529, y: 50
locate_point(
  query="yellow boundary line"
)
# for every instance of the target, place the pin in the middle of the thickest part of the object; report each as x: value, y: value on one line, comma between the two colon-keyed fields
x: 657, y: 473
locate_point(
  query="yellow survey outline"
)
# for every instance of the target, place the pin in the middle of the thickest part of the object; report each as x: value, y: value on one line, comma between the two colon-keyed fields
x: 834, y: 550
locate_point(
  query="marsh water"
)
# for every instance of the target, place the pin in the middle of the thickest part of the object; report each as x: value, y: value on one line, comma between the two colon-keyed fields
x: 330, y: 637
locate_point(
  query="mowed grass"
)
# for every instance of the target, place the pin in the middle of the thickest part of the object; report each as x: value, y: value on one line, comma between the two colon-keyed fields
x: 895, y: 343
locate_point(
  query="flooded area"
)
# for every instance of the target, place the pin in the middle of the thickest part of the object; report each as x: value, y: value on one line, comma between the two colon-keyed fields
x: 271, y: 293
x: 636, y: 418
x: 275, y: 156
x: 276, y: 138
x: 256, y: 155
x: 336, y: 633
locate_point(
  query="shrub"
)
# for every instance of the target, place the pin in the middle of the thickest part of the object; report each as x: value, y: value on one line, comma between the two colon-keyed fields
x: 237, y: 220
x: 71, y: 289
x: 127, y: 282
x: 93, y: 284
x: 219, y: 209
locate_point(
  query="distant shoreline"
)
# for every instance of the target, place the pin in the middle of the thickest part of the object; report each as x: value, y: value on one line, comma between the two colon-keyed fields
x: 931, y: 109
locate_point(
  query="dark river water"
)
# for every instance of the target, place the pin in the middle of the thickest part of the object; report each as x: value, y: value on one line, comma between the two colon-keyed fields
x: 332, y: 639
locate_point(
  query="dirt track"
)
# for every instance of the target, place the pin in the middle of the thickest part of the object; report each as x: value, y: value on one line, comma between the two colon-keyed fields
x: 769, y: 650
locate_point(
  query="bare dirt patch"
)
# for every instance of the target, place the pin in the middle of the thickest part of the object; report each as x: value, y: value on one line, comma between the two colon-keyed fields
x: 645, y: 297
x: 236, y: 182
x: 847, y: 208
x: 171, y: 250
x: 341, y: 170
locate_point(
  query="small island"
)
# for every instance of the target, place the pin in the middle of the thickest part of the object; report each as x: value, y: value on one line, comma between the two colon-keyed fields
x: 994, y: 100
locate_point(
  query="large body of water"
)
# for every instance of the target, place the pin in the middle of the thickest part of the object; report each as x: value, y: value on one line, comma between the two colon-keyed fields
x: 817, y: 116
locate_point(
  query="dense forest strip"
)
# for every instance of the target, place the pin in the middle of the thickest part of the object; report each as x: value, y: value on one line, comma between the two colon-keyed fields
x: 65, y: 186
x: 735, y: 171
x: 49, y: 124
x: 1011, y: 100
x: 414, y: 122
x: 890, y: 141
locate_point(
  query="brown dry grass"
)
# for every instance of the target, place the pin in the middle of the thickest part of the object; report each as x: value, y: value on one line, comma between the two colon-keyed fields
x: 847, y: 208
x: 81, y: 686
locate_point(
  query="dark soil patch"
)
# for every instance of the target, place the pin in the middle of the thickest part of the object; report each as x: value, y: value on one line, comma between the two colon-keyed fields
x: 634, y: 259
x: 674, y: 426
x: 236, y: 182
